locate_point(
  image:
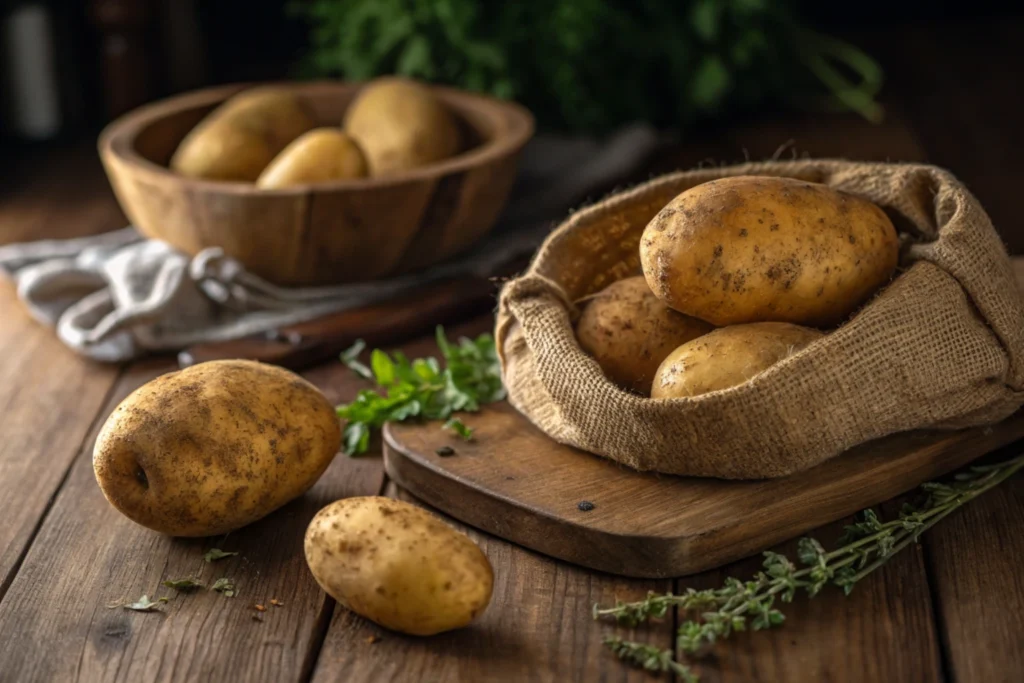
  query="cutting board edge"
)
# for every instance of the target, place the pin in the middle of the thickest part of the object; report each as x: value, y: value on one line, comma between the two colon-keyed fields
x: 507, y: 519
x: 659, y: 556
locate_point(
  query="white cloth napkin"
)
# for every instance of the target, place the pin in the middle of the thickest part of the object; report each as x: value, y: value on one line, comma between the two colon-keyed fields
x: 117, y: 295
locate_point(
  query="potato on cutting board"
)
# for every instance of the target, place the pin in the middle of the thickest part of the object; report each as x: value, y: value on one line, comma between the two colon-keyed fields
x: 398, y: 565
x: 728, y: 357
x: 319, y: 155
x: 629, y: 331
x: 758, y: 248
x: 239, y: 138
x: 213, y: 447
x: 401, y: 125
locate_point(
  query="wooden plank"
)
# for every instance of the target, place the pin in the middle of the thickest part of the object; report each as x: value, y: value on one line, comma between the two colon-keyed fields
x: 64, y: 194
x: 974, y: 559
x: 883, y: 631
x: 49, y: 397
x: 515, y: 482
x: 538, y: 627
x: 87, y: 555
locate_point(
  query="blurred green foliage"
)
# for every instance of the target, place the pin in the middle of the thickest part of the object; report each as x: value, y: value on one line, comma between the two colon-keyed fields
x: 587, y: 65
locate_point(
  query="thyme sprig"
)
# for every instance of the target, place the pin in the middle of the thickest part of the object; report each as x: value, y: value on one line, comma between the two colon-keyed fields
x: 866, y: 545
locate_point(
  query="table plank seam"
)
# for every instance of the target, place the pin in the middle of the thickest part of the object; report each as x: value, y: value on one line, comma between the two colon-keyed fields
x: 938, y: 622
x: 326, y: 615
x: 5, y: 583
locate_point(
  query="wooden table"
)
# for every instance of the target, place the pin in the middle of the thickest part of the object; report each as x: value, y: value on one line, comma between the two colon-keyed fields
x: 951, y: 608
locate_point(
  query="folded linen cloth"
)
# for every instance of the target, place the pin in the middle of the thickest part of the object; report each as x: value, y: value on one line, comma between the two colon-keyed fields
x: 117, y: 296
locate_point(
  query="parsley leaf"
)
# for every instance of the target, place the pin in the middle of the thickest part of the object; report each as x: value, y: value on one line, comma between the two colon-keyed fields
x: 143, y: 604
x: 214, y: 554
x: 420, y: 388
x: 183, y: 585
x: 456, y: 425
x: 225, y: 586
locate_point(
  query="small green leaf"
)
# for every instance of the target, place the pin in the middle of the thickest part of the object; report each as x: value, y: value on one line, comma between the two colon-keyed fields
x: 350, y: 357
x: 705, y: 16
x: 357, y: 438
x: 383, y: 368
x: 809, y: 550
x: 183, y: 585
x: 225, y: 587
x: 710, y: 82
x: 456, y: 425
x: 214, y: 554
x: 143, y: 604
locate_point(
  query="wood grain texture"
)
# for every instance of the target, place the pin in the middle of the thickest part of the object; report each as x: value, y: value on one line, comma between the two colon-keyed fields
x: 334, y: 232
x: 974, y: 560
x: 884, y: 631
x: 538, y: 627
x: 515, y: 482
x: 48, y: 396
x: 87, y: 555
x: 48, y: 399
x: 57, y: 194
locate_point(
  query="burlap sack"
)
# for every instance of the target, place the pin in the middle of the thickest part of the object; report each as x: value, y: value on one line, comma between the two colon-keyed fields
x: 941, y: 347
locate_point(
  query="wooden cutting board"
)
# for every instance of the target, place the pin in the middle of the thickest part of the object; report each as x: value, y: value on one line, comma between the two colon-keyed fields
x: 516, y: 483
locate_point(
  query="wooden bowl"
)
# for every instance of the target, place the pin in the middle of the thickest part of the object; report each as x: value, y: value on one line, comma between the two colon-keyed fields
x: 329, y: 233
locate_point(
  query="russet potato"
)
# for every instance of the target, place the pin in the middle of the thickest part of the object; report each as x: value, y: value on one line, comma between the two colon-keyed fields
x: 398, y: 565
x: 756, y: 248
x: 629, y: 331
x: 728, y: 357
x: 401, y: 125
x: 321, y: 154
x: 239, y: 138
x: 213, y: 447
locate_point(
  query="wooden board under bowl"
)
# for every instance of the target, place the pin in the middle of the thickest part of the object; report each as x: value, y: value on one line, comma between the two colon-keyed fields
x: 516, y: 483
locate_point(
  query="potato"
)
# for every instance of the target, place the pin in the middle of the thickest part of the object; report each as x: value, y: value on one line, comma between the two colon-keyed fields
x: 319, y: 155
x: 213, y: 447
x: 398, y: 565
x: 401, y: 125
x: 753, y: 248
x: 239, y: 138
x: 629, y: 331
x: 727, y: 357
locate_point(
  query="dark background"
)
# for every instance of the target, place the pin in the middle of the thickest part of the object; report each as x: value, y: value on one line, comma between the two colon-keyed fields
x: 115, y: 54
x: 953, y: 91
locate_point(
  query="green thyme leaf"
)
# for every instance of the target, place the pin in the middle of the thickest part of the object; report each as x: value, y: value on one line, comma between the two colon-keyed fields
x: 225, y: 587
x: 456, y: 425
x: 183, y: 585
x: 421, y: 388
x: 214, y: 554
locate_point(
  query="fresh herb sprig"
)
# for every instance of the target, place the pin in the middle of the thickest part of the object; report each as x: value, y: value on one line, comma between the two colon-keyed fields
x: 865, y: 546
x: 421, y: 388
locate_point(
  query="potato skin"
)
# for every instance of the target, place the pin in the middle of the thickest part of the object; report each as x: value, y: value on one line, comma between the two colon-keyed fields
x: 319, y: 155
x: 401, y: 125
x: 758, y: 248
x: 213, y: 447
x: 727, y: 357
x: 239, y: 138
x: 629, y: 331
x: 398, y: 565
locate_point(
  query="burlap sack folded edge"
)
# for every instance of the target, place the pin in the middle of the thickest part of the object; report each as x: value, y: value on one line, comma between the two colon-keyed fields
x: 941, y: 347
